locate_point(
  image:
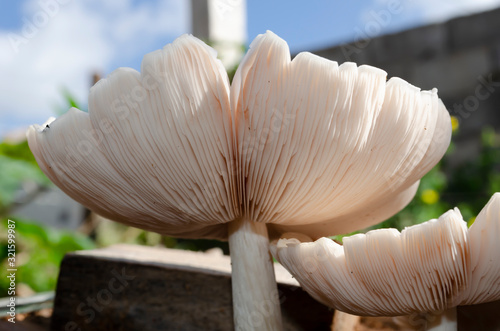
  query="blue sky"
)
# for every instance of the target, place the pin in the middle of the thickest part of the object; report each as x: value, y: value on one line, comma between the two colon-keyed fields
x: 82, y: 37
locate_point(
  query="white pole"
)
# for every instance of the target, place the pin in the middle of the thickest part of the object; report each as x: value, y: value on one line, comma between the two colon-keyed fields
x: 223, y: 25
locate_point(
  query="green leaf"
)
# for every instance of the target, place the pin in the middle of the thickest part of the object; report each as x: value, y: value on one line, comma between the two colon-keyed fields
x: 14, y: 172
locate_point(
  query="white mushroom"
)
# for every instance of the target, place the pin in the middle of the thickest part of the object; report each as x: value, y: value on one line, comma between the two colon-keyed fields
x: 303, y: 145
x: 427, y: 268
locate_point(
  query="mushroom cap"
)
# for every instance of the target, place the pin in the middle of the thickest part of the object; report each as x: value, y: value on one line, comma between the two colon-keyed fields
x: 429, y: 267
x: 305, y: 145
x: 155, y: 149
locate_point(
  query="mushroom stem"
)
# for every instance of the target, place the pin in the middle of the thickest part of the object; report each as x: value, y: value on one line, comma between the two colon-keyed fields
x: 255, y: 293
x: 447, y: 321
x: 344, y: 321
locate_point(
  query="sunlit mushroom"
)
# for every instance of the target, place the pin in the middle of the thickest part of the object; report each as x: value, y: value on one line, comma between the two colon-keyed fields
x: 303, y: 145
x: 431, y: 267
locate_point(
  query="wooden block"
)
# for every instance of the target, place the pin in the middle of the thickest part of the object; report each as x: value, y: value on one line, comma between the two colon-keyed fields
x: 127, y: 287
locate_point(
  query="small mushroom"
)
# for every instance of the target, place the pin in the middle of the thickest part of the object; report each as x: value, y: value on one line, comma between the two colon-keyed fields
x: 431, y: 267
x: 304, y: 145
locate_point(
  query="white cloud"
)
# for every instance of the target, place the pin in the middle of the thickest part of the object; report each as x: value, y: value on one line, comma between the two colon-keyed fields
x: 61, y: 46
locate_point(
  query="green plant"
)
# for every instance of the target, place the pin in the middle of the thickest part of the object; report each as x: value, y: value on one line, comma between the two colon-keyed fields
x: 39, y: 251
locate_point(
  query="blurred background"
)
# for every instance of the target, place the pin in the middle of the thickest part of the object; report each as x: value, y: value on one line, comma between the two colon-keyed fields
x: 52, y: 51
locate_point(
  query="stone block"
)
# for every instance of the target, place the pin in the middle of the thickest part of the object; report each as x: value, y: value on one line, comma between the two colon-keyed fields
x: 126, y: 287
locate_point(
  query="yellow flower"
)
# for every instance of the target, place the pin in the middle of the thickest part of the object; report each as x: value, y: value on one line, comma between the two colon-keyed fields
x: 454, y: 123
x: 429, y: 196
